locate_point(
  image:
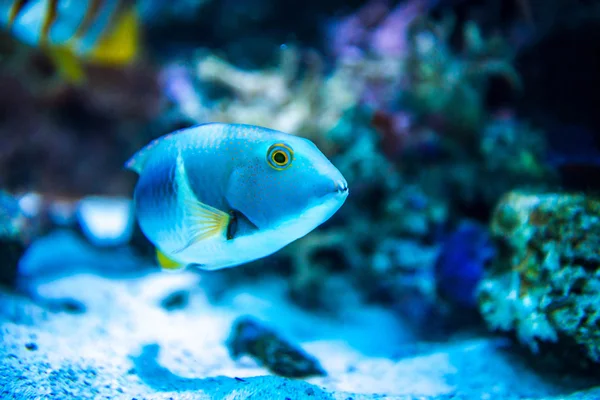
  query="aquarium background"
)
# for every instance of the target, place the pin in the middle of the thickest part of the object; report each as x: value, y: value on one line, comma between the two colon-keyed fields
x: 465, y: 263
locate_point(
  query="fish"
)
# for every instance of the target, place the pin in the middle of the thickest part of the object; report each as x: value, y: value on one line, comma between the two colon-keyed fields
x: 219, y: 195
x: 73, y: 32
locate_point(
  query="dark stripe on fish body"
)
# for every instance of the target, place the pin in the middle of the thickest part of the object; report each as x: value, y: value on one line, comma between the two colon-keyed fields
x: 49, y: 20
x: 88, y: 19
x: 233, y: 223
x: 16, y: 8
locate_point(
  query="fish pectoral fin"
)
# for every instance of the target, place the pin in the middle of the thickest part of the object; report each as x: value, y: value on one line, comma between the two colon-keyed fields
x: 166, y: 262
x: 120, y: 45
x: 67, y: 64
x: 204, y: 222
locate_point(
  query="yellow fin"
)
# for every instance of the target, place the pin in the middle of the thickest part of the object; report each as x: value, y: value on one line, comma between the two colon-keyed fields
x: 167, y: 263
x: 119, y: 45
x: 203, y: 222
x: 67, y: 64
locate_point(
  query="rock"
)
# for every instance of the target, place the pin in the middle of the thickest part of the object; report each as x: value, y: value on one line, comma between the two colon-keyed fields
x: 545, y: 283
x: 251, y: 337
x: 31, y: 346
x: 106, y: 221
x: 175, y: 301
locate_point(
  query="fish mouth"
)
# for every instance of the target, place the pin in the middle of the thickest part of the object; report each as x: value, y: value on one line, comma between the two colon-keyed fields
x: 341, y: 187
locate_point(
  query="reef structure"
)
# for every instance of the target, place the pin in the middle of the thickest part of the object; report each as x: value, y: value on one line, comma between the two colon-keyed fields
x: 545, y: 283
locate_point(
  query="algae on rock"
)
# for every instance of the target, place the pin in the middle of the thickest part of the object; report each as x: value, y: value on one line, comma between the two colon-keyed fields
x: 545, y: 284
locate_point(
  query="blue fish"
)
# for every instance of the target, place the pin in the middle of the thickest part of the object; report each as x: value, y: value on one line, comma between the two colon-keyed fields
x: 220, y: 195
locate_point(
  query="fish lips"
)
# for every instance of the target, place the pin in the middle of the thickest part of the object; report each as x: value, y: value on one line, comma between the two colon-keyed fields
x: 341, y: 187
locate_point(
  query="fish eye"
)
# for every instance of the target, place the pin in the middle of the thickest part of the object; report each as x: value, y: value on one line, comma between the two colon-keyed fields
x: 280, y: 156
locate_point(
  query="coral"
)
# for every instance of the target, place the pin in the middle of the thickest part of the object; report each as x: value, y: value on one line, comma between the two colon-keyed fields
x: 267, y: 347
x: 448, y: 88
x: 405, y: 117
x: 375, y: 29
x: 288, y: 98
x: 437, y: 109
x: 104, y: 221
x: 102, y: 224
x: 13, y: 225
x: 420, y: 73
x: 512, y: 149
x: 380, y: 241
x: 511, y: 154
x: 461, y: 262
x: 544, y: 283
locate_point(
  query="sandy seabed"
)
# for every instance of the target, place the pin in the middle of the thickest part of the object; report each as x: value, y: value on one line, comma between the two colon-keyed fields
x: 119, y: 342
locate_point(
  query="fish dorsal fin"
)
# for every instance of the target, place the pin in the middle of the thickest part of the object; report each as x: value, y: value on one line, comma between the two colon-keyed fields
x: 201, y: 221
x: 138, y: 161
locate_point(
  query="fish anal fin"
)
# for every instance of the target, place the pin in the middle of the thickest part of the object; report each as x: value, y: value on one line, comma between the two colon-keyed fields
x: 67, y: 64
x: 204, y: 222
x: 166, y: 262
x: 119, y: 45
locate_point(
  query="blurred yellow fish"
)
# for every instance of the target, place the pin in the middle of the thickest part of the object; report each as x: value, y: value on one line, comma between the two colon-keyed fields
x: 102, y: 32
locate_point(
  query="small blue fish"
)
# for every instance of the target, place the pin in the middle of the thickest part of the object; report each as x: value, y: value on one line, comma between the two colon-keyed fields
x: 220, y: 195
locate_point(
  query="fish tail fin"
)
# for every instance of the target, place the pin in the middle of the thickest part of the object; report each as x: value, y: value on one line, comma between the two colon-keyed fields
x: 166, y: 262
x: 67, y: 64
x: 120, y: 44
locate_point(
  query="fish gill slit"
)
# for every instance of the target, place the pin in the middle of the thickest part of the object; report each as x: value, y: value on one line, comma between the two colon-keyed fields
x: 232, y: 225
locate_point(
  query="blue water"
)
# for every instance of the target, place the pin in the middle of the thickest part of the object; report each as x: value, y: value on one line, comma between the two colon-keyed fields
x: 463, y: 264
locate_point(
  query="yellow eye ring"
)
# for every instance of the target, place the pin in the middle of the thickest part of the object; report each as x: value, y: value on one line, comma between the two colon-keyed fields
x: 280, y: 156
